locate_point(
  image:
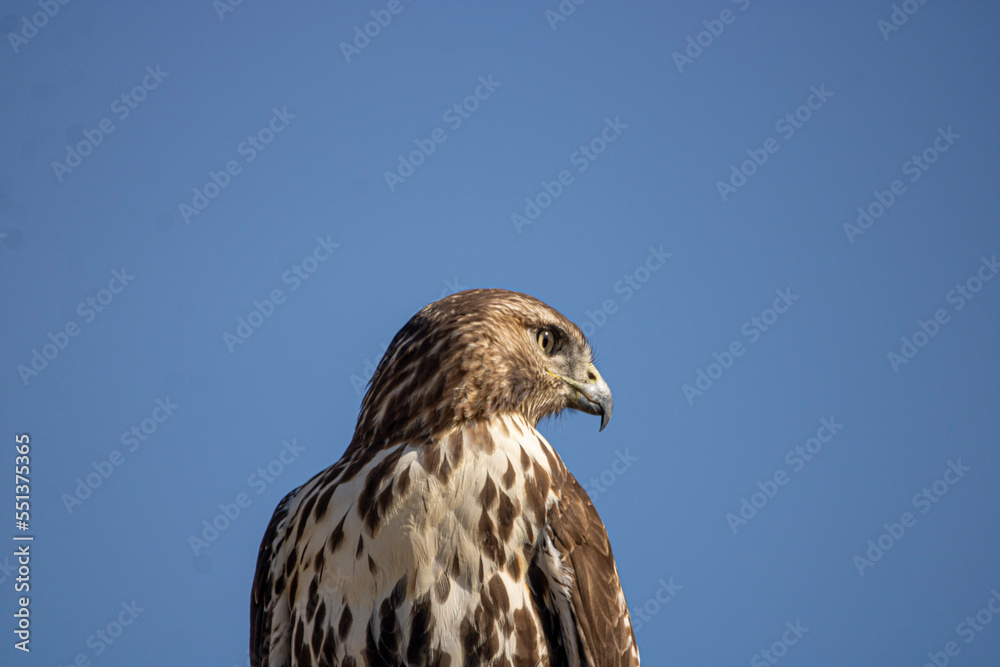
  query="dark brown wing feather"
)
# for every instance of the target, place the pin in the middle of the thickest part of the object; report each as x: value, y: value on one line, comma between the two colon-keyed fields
x: 261, y: 602
x: 603, y: 624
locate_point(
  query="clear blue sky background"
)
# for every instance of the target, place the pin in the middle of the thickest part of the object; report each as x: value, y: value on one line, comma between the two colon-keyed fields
x: 675, y: 469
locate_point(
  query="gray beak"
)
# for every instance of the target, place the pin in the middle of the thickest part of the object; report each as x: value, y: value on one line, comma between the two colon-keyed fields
x: 593, y: 396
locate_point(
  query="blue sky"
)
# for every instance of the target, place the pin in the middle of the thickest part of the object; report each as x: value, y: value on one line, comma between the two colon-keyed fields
x: 777, y: 222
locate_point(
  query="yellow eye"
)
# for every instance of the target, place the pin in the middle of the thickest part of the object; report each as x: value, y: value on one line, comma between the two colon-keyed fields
x: 547, y: 341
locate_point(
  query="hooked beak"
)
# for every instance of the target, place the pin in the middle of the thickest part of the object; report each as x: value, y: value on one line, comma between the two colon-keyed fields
x: 593, y: 396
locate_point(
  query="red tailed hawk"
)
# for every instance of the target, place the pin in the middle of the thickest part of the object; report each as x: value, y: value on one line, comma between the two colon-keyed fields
x: 450, y: 533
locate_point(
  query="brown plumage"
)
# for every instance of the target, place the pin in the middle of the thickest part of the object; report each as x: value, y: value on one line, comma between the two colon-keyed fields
x: 450, y: 532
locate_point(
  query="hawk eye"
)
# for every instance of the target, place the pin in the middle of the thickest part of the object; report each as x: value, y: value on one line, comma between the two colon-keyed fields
x: 547, y: 341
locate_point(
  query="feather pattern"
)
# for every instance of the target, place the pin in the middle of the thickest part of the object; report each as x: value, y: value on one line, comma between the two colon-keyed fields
x: 450, y: 533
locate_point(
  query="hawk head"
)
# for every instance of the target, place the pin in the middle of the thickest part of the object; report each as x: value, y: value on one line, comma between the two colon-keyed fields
x: 476, y: 354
